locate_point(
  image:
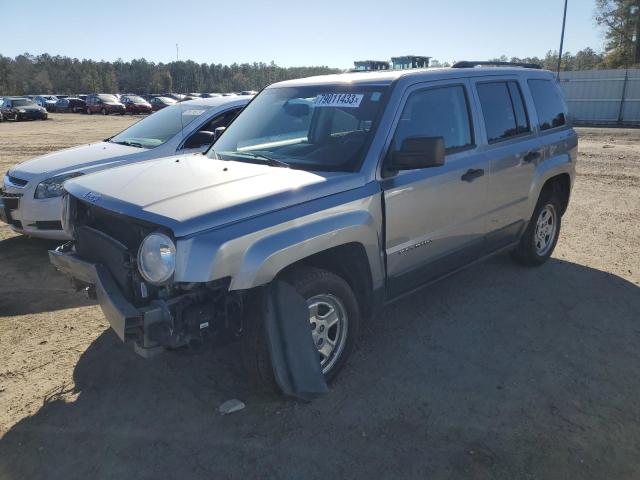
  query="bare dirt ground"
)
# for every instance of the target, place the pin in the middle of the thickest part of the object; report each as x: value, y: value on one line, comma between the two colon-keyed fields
x: 500, y: 372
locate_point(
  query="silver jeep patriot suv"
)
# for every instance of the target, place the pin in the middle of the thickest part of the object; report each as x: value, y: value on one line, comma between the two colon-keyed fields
x: 345, y: 191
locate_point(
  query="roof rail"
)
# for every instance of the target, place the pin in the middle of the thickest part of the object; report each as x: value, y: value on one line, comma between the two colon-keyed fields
x: 469, y: 64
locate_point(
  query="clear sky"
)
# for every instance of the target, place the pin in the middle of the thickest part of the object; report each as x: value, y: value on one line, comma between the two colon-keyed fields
x: 293, y: 32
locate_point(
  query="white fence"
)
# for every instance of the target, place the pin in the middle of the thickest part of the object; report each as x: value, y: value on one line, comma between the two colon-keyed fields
x: 605, y: 97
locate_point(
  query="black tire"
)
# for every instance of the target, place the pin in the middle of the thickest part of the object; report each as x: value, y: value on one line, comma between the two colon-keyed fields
x: 527, y: 253
x: 89, y: 112
x: 104, y: 111
x: 16, y: 118
x: 309, y: 282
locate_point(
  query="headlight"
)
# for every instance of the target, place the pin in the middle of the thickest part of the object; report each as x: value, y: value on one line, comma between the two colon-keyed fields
x: 21, y: 110
x: 52, y: 187
x: 157, y: 258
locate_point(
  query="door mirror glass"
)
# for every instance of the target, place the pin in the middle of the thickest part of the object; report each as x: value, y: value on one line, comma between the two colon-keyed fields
x: 418, y: 152
x: 199, y: 139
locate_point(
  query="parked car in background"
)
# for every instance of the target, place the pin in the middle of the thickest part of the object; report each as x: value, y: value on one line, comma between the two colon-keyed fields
x: 46, y: 101
x: 60, y: 96
x: 248, y: 92
x: 211, y: 95
x: 326, y: 198
x: 136, y: 104
x: 31, y: 190
x: 104, y: 103
x: 71, y: 105
x: 82, y: 97
x: 158, y: 103
x: 20, y: 108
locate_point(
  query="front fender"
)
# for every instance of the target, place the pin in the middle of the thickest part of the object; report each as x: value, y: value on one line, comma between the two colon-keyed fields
x: 251, y: 253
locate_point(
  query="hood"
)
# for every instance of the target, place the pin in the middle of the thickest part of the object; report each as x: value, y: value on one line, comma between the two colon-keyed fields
x: 73, y: 159
x: 191, y: 193
x: 30, y: 108
x: 114, y: 104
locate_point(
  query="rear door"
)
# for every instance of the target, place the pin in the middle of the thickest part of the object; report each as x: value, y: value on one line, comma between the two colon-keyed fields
x: 435, y: 218
x: 511, y: 143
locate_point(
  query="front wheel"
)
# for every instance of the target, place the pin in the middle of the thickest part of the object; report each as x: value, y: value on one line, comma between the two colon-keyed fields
x: 89, y: 112
x: 540, y: 238
x: 104, y: 111
x: 334, y: 320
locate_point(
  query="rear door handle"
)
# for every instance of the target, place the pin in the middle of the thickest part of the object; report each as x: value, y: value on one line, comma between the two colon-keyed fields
x: 531, y: 156
x: 472, y: 174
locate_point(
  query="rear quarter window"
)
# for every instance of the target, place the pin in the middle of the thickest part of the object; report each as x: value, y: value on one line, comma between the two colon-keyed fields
x: 548, y: 103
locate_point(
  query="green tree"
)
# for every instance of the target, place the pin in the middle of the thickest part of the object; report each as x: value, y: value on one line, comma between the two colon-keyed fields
x: 621, y: 19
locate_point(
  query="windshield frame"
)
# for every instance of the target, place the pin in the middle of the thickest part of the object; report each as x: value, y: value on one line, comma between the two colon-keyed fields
x: 385, y: 89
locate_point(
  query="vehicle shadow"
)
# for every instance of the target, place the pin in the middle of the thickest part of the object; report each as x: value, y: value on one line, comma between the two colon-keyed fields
x: 498, y: 372
x: 29, y: 283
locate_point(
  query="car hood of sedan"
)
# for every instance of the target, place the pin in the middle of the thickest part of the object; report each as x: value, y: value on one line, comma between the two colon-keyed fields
x: 191, y: 193
x: 73, y: 159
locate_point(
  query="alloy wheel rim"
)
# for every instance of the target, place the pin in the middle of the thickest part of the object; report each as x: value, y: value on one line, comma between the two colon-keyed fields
x: 329, y: 327
x: 545, y: 230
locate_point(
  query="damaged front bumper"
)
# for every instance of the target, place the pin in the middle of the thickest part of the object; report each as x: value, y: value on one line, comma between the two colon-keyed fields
x: 149, y: 328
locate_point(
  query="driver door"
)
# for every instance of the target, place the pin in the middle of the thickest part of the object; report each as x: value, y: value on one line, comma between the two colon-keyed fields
x: 435, y: 218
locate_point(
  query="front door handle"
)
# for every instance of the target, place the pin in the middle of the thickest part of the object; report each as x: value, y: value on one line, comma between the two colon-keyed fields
x: 531, y: 156
x: 472, y: 174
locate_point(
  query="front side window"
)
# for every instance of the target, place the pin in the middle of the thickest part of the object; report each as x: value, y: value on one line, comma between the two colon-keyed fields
x: 324, y: 127
x: 437, y: 112
x: 549, y: 104
x: 159, y: 127
x: 503, y: 110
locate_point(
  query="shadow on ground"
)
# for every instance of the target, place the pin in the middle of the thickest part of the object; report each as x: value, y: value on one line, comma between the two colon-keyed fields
x: 29, y: 283
x: 499, y: 372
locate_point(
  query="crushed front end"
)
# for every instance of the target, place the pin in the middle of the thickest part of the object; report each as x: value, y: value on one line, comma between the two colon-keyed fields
x: 104, y: 258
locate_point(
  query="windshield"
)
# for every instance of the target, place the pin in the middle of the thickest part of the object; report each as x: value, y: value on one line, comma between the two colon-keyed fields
x: 159, y: 127
x: 51, y: 97
x: 23, y: 102
x: 324, y: 127
x: 108, y: 98
x: 136, y: 99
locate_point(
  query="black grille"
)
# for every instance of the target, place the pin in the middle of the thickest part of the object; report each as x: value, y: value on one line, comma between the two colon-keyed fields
x: 18, y: 182
x: 98, y: 247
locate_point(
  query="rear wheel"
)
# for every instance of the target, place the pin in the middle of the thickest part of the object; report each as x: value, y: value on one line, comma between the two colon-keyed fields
x: 334, y: 320
x: 104, y: 111
x: 540, y: 238
x: 89, y: 112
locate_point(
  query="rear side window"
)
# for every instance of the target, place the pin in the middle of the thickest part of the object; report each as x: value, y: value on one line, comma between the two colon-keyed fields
x: 437, y: 112
x: 549, y: 105
x: 503, y: 110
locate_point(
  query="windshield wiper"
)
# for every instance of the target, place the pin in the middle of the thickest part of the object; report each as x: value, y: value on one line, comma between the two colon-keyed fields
x: 273, y: 162
x: 129, y: 144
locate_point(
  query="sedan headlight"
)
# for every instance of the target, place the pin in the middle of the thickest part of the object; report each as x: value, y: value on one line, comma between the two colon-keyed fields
x: 157, y: 258
x: 52, y: 187
x: 21, y: 110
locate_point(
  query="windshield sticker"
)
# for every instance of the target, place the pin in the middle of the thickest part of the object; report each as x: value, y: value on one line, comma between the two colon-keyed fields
x: 350, y: 100
x: 193, y: 112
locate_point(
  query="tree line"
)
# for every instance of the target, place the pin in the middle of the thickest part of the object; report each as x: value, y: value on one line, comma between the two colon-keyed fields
x: 39, y: 74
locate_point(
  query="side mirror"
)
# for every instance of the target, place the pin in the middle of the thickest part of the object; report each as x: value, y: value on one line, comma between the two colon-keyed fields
x: 418, y: 152
x: 217, y: 132
x: 199, y: 139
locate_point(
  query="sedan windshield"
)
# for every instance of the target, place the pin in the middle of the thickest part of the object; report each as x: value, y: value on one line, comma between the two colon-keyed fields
x: 108, y: 98
x: 160, y: 127
x: 326, y: 127
x: 135, y: 99
x: 23, y: 102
